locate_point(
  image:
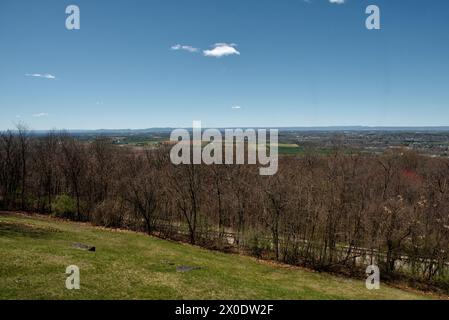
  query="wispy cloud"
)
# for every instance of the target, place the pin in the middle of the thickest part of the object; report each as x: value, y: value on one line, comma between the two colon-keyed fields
x: 39, y: 75
x: 40, y: 115
x: 222, y: 50
x: 184, y: 47
x: 218, y: 50
x: 337, y: 1
x: 236, y: 107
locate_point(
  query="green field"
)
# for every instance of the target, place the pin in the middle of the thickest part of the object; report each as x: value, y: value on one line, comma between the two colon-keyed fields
x: 35, y: 251
x: 289, y: 149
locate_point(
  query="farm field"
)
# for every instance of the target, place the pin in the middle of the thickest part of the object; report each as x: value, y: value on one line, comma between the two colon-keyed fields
x: 35, y: 251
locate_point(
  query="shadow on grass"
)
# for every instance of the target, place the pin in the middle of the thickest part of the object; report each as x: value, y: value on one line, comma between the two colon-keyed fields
x: 11, y: 229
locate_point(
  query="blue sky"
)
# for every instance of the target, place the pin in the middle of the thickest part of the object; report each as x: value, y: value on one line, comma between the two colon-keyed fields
x: 290, y: 63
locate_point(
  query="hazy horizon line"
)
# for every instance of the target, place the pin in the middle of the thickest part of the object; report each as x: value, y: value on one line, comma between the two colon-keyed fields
x: 330, y: 128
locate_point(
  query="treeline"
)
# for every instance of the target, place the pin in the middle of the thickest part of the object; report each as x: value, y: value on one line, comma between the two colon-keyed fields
x: 337, y: 212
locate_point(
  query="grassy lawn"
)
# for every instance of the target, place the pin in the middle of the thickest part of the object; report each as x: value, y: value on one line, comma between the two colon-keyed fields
x: 35, y: 251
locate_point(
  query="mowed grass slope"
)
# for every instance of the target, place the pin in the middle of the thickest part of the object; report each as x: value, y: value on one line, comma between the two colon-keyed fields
x: 35, y: 251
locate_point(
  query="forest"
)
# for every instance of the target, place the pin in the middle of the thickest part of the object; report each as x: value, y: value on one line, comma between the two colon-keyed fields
x: 337, y: 212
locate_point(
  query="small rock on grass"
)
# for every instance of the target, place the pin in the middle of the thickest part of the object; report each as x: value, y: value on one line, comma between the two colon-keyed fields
x: 82, y: 246
x: 187, y: 268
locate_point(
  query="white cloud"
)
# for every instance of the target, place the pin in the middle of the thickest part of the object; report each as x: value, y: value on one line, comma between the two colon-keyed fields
x: 38, y: 75
x: 185, y: 48
x: 218, y: 50
x: 337, y: 1
x: 40, y: 115
x: 221, y: 50
x: 236, y: 107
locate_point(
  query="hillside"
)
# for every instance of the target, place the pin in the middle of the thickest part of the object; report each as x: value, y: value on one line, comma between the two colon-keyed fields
x: 35, y: 251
